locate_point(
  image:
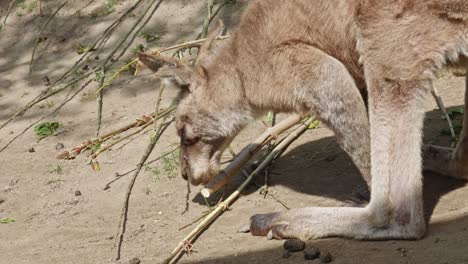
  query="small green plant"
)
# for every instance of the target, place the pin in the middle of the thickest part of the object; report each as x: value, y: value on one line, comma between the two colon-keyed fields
x: 154, y: 171
x: 456, y: 111
x: 96, y: 147
x: 55, y: 169
x: 139, y: 48
x: 150, y: 36
x: 457, y: 128
x: 170, y: 164
x: 27, y: 6
x: 6, y: 220
x: 147, y: 189
x: 81, y: 48
x: 45, y: 129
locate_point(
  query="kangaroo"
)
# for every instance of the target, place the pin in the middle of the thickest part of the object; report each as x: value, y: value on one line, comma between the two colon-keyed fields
x: 320, y: 57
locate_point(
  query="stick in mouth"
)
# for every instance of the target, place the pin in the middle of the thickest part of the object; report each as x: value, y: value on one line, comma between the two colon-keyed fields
x: 247, y: 153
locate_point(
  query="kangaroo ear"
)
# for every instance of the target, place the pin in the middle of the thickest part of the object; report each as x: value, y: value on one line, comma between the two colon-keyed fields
x: 167, y: 68
x: 207, y: 48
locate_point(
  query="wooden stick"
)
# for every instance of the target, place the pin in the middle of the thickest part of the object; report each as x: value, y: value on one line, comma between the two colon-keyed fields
x: 158, y: 130
x: 224, y: 205
x: 247, y: 153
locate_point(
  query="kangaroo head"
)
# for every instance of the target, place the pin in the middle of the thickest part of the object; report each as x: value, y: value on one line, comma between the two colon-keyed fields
x: 210, y: 112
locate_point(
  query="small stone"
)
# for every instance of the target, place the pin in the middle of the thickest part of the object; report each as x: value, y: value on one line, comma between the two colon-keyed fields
x: 59, y: 146
x: 31, y: 150
x: 2, y: 200
x: 311, y: 253
x: 326, y: 257
x: 77, y: 193
x: 286, y: 254
x: 134, y: 260
x: 294, y: 245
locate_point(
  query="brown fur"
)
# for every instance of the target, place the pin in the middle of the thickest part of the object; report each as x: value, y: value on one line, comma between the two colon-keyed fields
x: 320, y: 56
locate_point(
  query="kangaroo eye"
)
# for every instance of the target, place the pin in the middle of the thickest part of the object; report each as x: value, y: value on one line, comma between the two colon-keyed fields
x: 185, y: 139
x: 189, y: 142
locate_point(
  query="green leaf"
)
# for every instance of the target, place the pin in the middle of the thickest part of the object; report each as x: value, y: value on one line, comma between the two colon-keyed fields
x: 46, y: 129
x: 6, y: 220
x: 314, y: 124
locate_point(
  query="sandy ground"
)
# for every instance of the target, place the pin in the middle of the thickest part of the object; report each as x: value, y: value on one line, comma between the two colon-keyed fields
x: 53, y: 225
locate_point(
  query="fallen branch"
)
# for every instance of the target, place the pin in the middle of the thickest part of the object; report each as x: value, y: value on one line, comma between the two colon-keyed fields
x: 158, y: 131
x: 225, y: 204
x: 247, y: 153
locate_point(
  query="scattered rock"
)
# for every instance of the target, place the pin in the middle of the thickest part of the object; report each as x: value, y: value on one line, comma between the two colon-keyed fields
x: 77, y: 193
x: 59, y: 146
x: 294, y: 245
x: 326, y: 257
x: 31, y: 150
x: 244, y: 229
x: 96, y: 58
x: 286, y: 254
x: 437, y: 240
x: 134, y: 260
x: 311, y: 253
x: 110, y: 237
x: 2, y: 200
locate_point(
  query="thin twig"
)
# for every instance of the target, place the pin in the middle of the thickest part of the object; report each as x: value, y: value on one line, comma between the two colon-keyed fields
x: 224, y: 205
x: 7, y: 14
x: 158, y: 131
x: 119, y: 175
x: 42, y: 31
x: 100, y: 98
x: 207, y: 20
x: 135, y: 34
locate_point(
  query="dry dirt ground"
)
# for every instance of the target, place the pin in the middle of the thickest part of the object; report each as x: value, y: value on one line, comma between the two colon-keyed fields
x: 53, y: 225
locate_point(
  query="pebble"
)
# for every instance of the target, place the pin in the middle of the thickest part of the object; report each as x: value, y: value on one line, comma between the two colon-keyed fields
x: 59, y: 146
x: 31, y: 150
x: 134, y: 260
x: 326, y: 257
x: 294, y: 245
x: 311, y: 253
x: 286, y: 254
x: 77, y: 193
